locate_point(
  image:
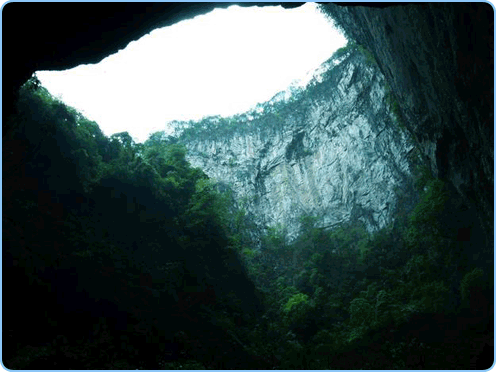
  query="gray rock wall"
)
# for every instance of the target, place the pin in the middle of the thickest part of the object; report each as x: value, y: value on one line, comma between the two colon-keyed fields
x: 438, y: 60
x: 336, y: 153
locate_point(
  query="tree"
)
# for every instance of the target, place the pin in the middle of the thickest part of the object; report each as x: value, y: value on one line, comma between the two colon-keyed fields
x: 472, y: 289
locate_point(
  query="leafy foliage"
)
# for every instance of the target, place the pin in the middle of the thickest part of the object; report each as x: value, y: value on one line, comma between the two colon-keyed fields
x: 392, y: 102
x: 143, y: 230
x: 336, y: 293
x: 472, y: 284
x: 295, y: 300
x: 169, y: 274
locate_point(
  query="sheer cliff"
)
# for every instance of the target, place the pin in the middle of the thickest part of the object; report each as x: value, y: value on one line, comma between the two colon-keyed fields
x: 334, y: 150
x: 437, y: 59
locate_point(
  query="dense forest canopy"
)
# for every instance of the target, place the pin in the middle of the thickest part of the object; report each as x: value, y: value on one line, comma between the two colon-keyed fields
x: 131, y: 258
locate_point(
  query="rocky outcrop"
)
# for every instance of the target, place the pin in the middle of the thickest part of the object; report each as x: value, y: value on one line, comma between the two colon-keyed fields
x: 438, y: 60
x: 436, y: 57
x: 334, y: 151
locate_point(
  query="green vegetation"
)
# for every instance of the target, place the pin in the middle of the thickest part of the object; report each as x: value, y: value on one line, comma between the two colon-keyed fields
x: 331, y: 295
x: 473, y: 283
x: 268, y: 116
x: 392, y: 102
x: 351, y: 45
x: 369, y: 57
x: 105, y: 229
x: 132, y: 259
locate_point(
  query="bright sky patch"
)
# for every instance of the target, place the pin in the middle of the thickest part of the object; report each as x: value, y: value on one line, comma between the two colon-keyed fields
x: 220, y: 63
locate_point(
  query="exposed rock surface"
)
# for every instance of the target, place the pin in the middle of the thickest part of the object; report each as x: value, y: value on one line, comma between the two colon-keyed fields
x: 438, y: 60
x: 445, y: 46
x: 335, y: 152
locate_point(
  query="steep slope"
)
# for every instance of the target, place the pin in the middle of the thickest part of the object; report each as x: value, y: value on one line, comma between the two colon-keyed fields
x: 334, y: 151
x: 110, y: 251
x: 438, y: 60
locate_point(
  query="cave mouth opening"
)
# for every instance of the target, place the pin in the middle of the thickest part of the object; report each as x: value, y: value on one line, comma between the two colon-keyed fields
x: 220, y: 63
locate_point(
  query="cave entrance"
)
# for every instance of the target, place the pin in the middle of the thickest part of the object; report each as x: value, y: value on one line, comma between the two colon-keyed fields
x: 220, y: 63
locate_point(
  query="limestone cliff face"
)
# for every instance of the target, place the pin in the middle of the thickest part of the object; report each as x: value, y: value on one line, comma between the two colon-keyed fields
x: 334, y: 151
x: 437, y: 59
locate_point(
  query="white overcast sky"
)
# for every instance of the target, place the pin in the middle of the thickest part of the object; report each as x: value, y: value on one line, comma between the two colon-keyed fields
x: 220, y: 63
